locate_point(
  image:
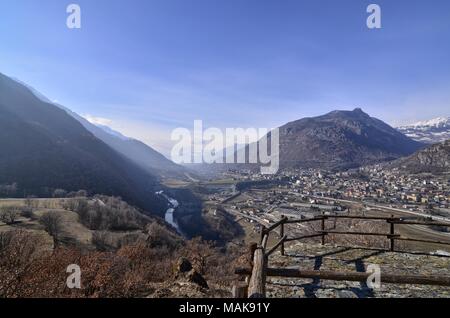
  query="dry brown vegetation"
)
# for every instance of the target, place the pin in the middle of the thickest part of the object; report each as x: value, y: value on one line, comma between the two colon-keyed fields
x: 52, y: 223
x: 130, y: 271
x: 106, y: 213
x: 121, y: 252
x: 131, y: 255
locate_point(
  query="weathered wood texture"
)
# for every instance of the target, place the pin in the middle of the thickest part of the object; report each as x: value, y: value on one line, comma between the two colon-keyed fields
x: 257, y: 285
x: 354, y: 276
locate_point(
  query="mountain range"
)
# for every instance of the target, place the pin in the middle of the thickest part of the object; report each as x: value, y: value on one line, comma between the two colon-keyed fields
x: 341, y: 140
x: 135, y: 150
x: 44, y: 148
x: 431, y: 131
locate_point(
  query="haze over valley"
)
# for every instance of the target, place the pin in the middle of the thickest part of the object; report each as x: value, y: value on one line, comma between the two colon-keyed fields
x: 224, y: 149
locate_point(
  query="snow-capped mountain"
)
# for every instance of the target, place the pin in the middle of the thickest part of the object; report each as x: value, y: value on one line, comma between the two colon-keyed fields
x: 429, y: 131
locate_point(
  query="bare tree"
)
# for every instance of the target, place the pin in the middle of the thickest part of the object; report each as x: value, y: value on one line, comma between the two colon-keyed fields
x: 9, y: 214
x: 59, y: 193
x: 52, y: 222
x: 31, y: 202
x: 27, y: 212
x: 82, y: 193
x: 103, y: 241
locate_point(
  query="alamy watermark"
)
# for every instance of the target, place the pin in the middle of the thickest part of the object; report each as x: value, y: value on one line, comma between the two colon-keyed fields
x: 374, y: 19
x: 213, y: 145
x: 374, y: 279
x: 74, y: 19
x: 73, y: 281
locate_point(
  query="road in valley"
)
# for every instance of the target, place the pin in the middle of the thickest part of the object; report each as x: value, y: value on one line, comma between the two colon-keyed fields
x: 382, y: 207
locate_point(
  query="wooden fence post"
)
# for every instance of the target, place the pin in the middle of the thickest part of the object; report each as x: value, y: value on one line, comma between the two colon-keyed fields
x: 251, y: 250
x: 282, y: 235
x: 257, y: 285
x: 263, y: 232
x: 240, y: 290
x: 392, y: 232
x: 323, y: 229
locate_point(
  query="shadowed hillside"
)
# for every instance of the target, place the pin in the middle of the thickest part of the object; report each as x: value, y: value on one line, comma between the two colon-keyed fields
x: 43, y: 149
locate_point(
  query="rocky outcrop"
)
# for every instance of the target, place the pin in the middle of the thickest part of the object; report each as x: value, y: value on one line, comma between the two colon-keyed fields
x: 188, y: 283
x: 434, y: 159
x: 183, y: 265
x: 185, y: 271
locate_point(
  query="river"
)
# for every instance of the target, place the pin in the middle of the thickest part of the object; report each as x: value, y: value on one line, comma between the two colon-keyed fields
x: 169, y: 215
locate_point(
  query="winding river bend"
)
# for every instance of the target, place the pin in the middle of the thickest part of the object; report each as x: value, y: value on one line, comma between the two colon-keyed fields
x: 169, y: 215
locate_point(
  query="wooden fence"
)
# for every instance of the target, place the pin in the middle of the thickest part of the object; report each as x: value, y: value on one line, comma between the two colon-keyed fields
x: 255, y: 284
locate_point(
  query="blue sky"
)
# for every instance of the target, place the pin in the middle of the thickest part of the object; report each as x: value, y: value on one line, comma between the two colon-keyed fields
x: 146, y: 67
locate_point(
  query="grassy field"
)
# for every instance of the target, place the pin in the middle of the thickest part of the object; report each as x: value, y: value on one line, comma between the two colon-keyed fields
x: 49, y: 203
x: 73, y: 232
x: 174, y: 183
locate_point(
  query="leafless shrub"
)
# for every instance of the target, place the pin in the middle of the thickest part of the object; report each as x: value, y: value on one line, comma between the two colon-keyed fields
x: 9, y: 214
x: 59, y: 193
x: 27, y: 212
x: 131, y: 239
x: 103, y: 241
x: 107, y: 213
x: 31, y: 202
x: 52, y: 222
x: 77, y: 194
x: 158, y: 235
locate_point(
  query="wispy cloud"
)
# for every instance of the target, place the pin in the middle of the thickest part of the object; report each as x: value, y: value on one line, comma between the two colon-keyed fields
x: 98, y: 120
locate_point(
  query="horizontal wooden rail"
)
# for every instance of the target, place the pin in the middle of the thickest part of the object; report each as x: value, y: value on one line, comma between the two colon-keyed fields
x: 353, y: 276
x: 360, y: 233
x: 277, y: 224
x: 421, y: 241
x: 420, y: 223
x: 304, y: 237
x: 379, y: 218
x: 357, y: 217
x: 320, y: 218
